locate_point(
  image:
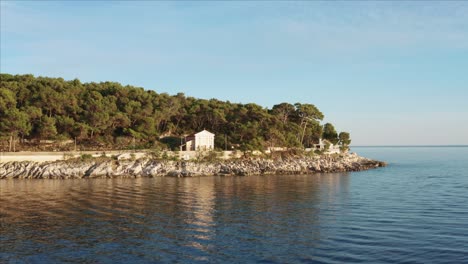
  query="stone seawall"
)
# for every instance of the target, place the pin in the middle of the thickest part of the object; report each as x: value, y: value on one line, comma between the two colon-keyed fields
x: 107, y: 168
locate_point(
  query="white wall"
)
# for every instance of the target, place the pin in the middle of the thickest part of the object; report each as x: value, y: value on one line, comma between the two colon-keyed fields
x: 204, y: 141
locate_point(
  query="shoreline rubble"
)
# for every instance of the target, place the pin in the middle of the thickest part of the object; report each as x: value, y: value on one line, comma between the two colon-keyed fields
x: 145, y: 167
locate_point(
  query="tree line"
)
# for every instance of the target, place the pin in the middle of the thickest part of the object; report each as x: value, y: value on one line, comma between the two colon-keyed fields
x: 108, y: 115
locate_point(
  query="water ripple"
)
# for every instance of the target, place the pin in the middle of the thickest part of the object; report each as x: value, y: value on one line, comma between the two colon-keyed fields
x: 406, y: 213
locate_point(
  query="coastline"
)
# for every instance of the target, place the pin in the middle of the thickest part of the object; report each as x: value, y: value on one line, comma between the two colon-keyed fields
x: 146, y: 167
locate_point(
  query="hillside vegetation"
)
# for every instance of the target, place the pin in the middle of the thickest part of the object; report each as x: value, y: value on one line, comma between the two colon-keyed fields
x: 35, y: 111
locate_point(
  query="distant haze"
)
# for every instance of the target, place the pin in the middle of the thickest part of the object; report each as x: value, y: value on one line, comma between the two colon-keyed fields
x: 390, y: 73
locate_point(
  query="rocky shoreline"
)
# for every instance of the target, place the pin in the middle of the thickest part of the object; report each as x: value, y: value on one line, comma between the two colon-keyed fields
x: 107, y: 168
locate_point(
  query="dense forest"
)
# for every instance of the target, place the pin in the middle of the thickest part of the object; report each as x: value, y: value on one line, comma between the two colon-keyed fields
x: 40, y: 113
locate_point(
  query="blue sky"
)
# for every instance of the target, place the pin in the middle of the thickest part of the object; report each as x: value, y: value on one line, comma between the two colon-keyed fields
x: 391, y: 73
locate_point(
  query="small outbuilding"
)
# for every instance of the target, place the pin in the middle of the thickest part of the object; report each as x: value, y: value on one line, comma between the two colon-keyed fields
x: 322, y: 146
x: 203, y: 140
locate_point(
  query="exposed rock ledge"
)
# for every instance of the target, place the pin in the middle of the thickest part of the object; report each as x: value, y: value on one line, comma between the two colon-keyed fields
x: 158, y: 168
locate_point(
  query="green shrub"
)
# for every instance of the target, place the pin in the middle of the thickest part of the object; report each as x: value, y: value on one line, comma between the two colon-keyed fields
x: 155, y: 154
x: 67, y: 156
x: 211, y: 156
x: 86, y: 156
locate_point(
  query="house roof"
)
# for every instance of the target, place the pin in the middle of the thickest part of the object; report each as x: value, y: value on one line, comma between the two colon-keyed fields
x: 204, y: 131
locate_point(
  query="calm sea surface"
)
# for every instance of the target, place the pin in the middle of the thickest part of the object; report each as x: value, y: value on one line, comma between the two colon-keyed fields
x: 413, y: 211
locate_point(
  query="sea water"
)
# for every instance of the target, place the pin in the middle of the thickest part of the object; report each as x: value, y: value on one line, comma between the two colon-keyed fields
x: 413, y: 211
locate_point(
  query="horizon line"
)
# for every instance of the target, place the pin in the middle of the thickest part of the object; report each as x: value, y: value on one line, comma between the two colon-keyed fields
x: 415, y: 146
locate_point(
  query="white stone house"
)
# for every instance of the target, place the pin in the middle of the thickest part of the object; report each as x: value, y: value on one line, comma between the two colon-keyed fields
x: 203, y: 140
x: 323, y: 142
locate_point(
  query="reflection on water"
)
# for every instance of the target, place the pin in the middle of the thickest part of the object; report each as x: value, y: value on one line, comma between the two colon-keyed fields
x: 164, y: 219
x: 411, y: 211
